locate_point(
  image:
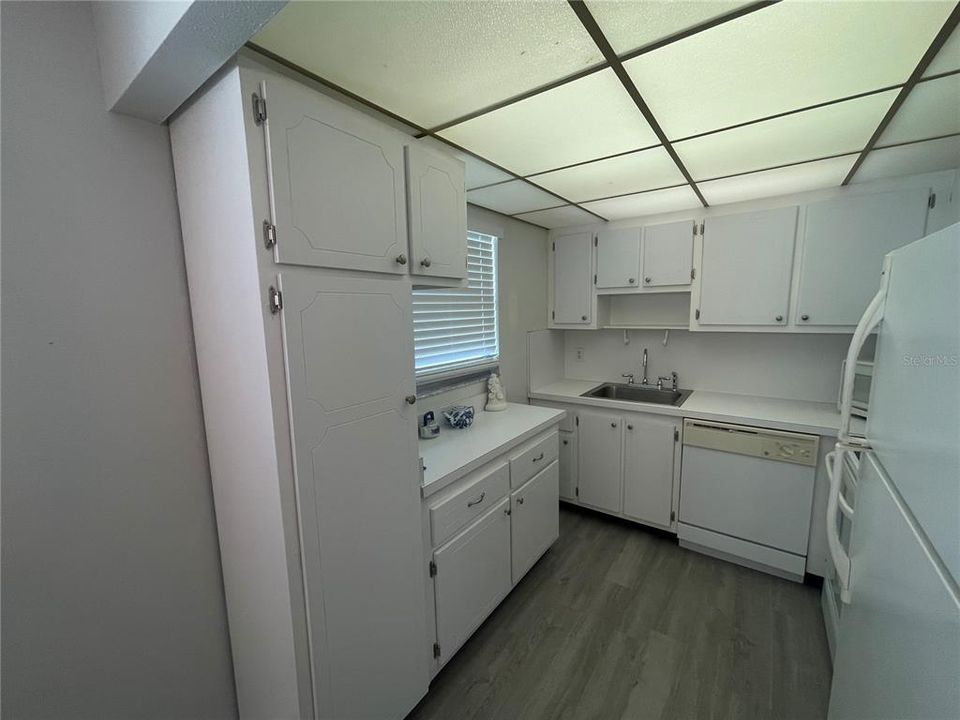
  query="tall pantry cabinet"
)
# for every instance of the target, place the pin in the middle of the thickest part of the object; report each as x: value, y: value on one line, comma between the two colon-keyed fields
x: 294, y: 211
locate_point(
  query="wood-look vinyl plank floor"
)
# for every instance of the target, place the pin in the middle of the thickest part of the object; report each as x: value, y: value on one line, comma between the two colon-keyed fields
x: 619, y: 623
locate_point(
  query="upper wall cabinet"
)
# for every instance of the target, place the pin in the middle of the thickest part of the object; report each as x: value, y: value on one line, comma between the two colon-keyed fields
x: 746, y: 268
x: 842, y: 251
x: 437, y: 214
x: 618, y: 258
x: 572, y: 264
x: 668, y: 254
x: 337, y: 183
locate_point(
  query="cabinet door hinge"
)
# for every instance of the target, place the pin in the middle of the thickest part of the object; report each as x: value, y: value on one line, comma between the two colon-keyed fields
x: 576, y: 492
x: 433, y: 569
x: 696, y: 314
x: 269, y: 234
x: 436, y: 650
x: 693, y: 273
x: 259, y: 109
x: 932, y: 200
x: 673, y: 515
x: 701, y: 227
x: 554, y: 246
x: 594, y: 278
x: 595, y: 240
x: 676, y: 434
x: 553, y: 314
x: 576, y: 421
x: 276, y: 300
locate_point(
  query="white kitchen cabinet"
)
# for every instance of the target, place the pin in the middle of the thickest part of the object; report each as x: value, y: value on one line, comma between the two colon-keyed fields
x: 650, y: 454
x: 745, y: 269
x: 437, y: 213
x: 534, y: 519
x: 668, y: 254
x: 336, y: 181
x: 568, y: 465
x: 842, y: 251
x: 472, y: 577
x: 301, y: 365
x: 618, y: 258
x: 599, y: 455
x: 573, y: 298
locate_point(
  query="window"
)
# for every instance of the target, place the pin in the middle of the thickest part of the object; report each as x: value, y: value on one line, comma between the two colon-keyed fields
x: 456, y: 328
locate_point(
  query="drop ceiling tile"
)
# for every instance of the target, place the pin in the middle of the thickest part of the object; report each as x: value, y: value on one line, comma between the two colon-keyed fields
x: 830, y: 130
x: 948, y: 58
x: 583, y: 120
x: 943, y: 154
x: 513, y: 197
x: 645, y: 170
x: 648, y: 203
x: 629, y: 25
x: 431, y: 62
x: 784, y: 181
x: 565, y: 216
x: 931, y: 109
x: 478, y: 172
x: 786, y: 56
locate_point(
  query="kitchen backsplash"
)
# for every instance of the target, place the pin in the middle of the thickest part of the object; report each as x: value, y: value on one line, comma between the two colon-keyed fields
x: 802, y: 367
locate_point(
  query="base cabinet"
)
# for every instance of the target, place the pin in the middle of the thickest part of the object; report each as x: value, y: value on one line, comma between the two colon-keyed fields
x: 649, y: 464
x: 535, y: 519
x: 599, y: 455
x: 472, y: 577
x: 568, y: 465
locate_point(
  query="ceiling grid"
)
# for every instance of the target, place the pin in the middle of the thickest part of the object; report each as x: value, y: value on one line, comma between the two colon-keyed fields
x: 568, y: 111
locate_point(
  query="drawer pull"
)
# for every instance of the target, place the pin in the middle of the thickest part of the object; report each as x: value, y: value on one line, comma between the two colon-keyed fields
x: 538, y: 458
x: 520, y: 500
x: 478, y: 500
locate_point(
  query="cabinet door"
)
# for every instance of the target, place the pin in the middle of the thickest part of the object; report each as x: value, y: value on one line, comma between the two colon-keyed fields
x: 568, y: 465
x: 349, y: 367
x: 336, y: 180
x: 437, y: 214
x: 572, y: 279
x: 844, y: 242
x: 473, y: 576
x: 746, y: 268
x: 618, y: 258
x: 648, y: 454
x: 667, y: 254
x: 535, y: 519
x: 599, y: 460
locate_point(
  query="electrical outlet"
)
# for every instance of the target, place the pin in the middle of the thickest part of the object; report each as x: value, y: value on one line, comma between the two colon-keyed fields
x: 580, y: 353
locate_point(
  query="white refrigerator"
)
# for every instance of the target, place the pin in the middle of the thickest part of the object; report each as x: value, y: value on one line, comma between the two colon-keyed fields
x: 898, y: 645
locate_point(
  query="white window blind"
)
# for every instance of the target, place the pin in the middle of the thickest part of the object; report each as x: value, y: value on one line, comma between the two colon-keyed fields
x: 456, y: 328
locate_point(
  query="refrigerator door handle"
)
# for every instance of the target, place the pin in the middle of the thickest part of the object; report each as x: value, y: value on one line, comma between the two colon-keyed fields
x: 841, y: 560
x: 871, y: 318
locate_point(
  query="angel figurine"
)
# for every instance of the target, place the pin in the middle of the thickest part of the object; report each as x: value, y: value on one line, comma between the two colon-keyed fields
x: 496, y: 398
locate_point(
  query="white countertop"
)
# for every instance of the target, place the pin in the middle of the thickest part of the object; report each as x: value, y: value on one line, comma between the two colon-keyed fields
x: 456, y: 452
x: 817, y: 418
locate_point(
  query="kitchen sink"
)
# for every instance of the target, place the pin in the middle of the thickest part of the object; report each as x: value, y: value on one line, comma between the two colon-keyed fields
x: 639, y: 393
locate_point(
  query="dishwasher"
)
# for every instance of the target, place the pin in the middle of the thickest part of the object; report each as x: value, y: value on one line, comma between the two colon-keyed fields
x: 746, y: 495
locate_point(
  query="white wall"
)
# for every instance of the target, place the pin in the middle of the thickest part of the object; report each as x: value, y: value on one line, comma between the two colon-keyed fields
x: 802, y: 367
x: 522, y: 296
x: 111, y: 589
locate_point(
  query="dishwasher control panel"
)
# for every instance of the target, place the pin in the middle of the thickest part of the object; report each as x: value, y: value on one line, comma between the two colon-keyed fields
x: 763, y: 443
x: 790, y: 450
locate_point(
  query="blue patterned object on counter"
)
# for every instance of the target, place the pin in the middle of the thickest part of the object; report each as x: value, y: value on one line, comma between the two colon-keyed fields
x: 459, y: 417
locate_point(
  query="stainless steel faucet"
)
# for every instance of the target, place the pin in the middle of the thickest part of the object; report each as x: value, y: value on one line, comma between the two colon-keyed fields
x: 643, y: 380
x: 629, y: 377
x: 673, y: 378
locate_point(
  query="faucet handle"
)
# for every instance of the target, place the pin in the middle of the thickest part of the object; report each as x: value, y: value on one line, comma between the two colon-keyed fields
x: 660, y: 380
x: 675, y: 378
x: 629, y: 377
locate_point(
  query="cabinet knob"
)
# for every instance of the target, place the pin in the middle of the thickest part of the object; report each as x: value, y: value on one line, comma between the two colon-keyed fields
x: 411, y: 399
x: 779, y: 318
x: 647, y: 279
x: 520, y: 501
x: 804, y: 317
x: 425, y: 262
x: 613, y: 424
x: 629, y: 427
x: 633, y: 281
x: 565, y: 442
x: 506, y: 511
x: 401, y: 259
x: 583, y: 317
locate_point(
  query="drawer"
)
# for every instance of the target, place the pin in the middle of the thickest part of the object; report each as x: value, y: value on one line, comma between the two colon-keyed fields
x: 474, y: 499
x: 533, y: 458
